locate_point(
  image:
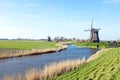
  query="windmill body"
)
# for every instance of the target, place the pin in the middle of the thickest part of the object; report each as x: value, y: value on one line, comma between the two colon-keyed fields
x: 94, y: 34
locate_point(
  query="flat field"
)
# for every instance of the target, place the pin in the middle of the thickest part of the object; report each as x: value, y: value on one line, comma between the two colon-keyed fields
x: 105, y: 67
x: 92, y: 45
x: 26, y: 45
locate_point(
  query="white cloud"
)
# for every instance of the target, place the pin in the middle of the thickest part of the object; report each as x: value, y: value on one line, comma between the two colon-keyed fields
x: 112, y: 1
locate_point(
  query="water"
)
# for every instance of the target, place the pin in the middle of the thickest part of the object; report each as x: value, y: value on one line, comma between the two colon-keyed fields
x: 21, y: 64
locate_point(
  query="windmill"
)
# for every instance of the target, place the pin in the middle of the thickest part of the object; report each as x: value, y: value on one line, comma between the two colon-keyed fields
x: 94, y: 34
x: 49, y: 38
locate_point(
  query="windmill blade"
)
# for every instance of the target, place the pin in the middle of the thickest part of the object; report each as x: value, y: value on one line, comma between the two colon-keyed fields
x: 98, y: 29
x: 92, y: 24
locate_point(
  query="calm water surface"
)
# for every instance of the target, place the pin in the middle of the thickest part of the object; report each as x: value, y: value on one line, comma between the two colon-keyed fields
x: 21, y: 64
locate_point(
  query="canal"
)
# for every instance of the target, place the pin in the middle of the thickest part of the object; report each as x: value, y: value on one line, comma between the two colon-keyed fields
x: 16, y: 65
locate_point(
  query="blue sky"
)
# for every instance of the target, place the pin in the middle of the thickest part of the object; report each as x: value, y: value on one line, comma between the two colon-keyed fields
x: 68, y: 18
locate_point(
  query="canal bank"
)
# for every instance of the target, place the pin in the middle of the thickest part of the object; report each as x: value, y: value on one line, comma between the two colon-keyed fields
x: 10, y: 53
x: 21, y: 64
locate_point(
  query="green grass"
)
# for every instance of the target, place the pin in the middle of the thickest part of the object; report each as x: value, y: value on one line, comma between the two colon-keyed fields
x: 91, y: 44
x: 105, y: 67
x: 26, y: 45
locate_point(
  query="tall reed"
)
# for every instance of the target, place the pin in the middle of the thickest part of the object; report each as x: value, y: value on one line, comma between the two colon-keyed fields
x: 49, y: 71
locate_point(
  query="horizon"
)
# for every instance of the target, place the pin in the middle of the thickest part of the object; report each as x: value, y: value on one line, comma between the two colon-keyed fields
x: 39, y: 18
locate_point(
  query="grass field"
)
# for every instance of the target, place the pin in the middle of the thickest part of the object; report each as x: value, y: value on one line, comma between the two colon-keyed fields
x: 92, y: 45
x: 26, y: 45
x: 24, y: 48
x: 104, y: 67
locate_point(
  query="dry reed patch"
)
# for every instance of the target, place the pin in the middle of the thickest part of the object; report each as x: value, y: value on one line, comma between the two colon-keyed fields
x: 32, y: 74
x: 17, y: 77
x: 55, y: 69
x: 49, y: 71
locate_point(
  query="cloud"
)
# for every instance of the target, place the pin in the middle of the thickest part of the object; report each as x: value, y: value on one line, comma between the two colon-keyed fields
x: 112, y: 1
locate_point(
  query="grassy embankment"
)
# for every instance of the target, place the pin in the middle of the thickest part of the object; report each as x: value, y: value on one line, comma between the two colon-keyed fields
x: 105, y: 67
x: 23, y: 48
x: 92, y: 45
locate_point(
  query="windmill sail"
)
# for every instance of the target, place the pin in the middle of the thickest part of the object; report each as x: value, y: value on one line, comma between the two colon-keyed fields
x: 92, y: 25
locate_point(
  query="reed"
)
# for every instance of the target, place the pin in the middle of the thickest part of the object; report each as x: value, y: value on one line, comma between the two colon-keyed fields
x: 7, y: 53
x: 17, y: 77
x: 60, y: 68
x: 49, y: 71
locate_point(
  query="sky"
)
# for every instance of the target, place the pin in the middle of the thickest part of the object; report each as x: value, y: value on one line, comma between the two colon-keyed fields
x: 37, y: 19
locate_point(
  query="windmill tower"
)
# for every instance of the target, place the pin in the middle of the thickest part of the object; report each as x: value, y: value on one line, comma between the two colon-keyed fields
x: 94, y: 34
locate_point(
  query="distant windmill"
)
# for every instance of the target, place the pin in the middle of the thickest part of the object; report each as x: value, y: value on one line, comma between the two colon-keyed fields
x: 94, y: 36
x: 49, y: 38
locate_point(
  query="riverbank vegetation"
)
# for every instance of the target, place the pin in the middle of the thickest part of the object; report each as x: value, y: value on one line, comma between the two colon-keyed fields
x: 49, y: 71
x: 105, y: 67
x: 11, y: 48
x: 92, y: 45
